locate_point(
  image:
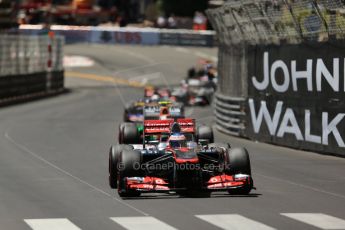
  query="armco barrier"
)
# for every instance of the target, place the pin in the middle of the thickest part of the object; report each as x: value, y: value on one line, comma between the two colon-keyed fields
x: 230, y: 114
x: 30, y: 65
x: 128, y: 35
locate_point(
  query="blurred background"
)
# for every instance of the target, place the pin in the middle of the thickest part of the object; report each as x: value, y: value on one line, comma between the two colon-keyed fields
x: 186, y: 14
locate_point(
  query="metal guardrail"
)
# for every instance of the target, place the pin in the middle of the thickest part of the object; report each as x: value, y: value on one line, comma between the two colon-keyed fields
x: 230, y: 114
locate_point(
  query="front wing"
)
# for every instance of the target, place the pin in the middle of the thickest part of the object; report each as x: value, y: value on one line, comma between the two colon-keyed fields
x: 217, y: 183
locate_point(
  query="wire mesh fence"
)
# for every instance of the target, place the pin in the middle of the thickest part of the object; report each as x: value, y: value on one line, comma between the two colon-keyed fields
x: 274, y: 21
x: 20, y: 55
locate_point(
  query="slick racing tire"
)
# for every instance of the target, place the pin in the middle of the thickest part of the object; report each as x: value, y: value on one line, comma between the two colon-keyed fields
x: 129, y: 162
x: 191, y: 72
x: 114, y: 154
x: 239, y: 162
x: 125, y: 116
x: 206, y: 133
x: 128, y: 134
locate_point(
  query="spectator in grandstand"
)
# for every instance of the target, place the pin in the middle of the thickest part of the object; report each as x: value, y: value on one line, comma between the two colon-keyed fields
x: 199, y: 21
x: 161, y: 22
x: 172, y: 24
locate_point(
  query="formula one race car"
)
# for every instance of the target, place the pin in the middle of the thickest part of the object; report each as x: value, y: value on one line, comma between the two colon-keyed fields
x: 199, y: 86
x: 151, y: 91
x: 134, y: 111
x: 170, y: 160
x: 195, y: 92
x: 131, y: 132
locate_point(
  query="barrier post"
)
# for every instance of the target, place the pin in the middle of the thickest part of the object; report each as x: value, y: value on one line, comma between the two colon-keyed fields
x: 50, y: 61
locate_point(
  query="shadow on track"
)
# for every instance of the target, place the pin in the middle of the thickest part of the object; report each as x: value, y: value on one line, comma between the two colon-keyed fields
x: 175, y: 196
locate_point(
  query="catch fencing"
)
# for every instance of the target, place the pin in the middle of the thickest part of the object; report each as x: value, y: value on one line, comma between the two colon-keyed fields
x: 30, y: 65
x: 281, y: 70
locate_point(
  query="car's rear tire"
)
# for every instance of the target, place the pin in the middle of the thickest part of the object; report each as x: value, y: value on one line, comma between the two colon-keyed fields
x: 128, y: 134
x: 125, y: 116
x: 128, y: 167
x: 191, y: 72
x: 239, y: 163
x: 206, y: 133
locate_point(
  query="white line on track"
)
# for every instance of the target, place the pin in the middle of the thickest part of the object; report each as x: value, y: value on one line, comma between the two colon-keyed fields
x: 182, y: 50
x: 206, y: 56
x: 140, y: 67
x: 147, y: 77
x: 233, y: 222
x: 301, y: 185
x: 25, y: 149
x: 137, y: 55
x: 136, y: 68
x: 142, y: 223
x: 296, y: 184
x: 200, y: 54
x: 318, y: 220
x: 51, y: 224
x: 197, y: 53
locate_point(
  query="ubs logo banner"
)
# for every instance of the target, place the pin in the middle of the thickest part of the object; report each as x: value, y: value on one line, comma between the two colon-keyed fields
x: 296, y: 96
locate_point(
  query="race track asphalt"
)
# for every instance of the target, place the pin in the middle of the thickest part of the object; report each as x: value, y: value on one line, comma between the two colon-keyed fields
x: 54, y: 159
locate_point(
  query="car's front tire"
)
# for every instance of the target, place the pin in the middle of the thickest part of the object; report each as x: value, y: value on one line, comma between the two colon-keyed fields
x: 129, y: 162
x: 239, y: 163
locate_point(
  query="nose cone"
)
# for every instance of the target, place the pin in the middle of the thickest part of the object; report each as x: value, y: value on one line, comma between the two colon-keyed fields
x: 185, y: 155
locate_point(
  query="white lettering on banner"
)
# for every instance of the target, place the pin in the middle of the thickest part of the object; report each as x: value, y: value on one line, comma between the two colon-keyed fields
x: 308, y: 136
x: 308, y: 74
x: 329, y: 128
x: 285, y: 86
x: 289, y: 123
x: 264, y: 84
x: 321, y: 69
x: 270, y: 74
x: 272, y: 124
x: 289, y: 117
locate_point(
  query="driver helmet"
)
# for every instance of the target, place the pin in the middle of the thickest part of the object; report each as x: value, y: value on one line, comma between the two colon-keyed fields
x: 177, y: 140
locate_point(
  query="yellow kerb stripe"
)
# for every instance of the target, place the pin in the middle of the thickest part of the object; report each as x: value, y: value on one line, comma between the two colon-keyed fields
x: 96, y: 77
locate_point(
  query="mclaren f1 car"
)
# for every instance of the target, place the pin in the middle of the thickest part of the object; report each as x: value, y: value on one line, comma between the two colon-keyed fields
x: 172, y: 160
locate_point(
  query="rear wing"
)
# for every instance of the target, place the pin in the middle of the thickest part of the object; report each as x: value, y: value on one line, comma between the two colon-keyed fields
x: 154, y: 112
x: 164, y: 126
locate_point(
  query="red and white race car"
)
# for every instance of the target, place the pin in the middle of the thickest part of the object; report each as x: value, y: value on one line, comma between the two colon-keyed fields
x: 171, y: 160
